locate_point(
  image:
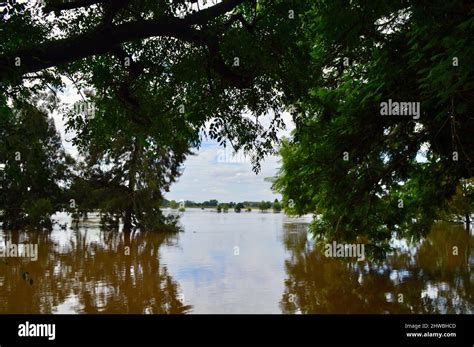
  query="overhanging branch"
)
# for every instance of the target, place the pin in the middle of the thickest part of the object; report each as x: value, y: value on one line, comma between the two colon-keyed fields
x: 59, y: 5
x: 104, y: 40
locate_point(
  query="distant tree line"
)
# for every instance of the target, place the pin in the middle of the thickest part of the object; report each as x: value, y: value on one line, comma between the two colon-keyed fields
x: 246, y: 206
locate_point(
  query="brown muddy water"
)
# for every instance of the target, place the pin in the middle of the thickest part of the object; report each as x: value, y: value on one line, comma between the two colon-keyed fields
x: 230, y: 263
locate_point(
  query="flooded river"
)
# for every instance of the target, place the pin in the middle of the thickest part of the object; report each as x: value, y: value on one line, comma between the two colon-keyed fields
x: 231, y: 263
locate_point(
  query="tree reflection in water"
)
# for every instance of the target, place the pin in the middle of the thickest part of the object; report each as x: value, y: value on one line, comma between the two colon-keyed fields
x: 421, y: 278
x: 89, y: 271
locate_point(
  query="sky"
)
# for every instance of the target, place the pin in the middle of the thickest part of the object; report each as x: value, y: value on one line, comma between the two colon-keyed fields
x: 212, y: 172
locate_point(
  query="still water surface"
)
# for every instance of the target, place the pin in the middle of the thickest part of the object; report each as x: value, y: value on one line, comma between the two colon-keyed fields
x: 231, y: 263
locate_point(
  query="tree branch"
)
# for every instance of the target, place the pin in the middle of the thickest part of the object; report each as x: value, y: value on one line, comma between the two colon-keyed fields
x: 204, y: 16
x: 99, y: 41
x: 59, y: 5
x: 105, y: 39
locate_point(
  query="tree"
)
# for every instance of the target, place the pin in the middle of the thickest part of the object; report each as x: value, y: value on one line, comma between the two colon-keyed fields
x: 212, y: 203
x: 234, y: 56
x: 130, y: 168
x: 276, y: 206
x: 173, y: 204
x: 264, y: 205
x: 364, y: 172
x: 238, y: 207
x: 462, y: 203
x: 34, y: 169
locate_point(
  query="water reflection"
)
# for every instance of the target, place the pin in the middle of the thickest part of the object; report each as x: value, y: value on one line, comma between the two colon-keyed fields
x: 87, y: 270
x: 427, y: 277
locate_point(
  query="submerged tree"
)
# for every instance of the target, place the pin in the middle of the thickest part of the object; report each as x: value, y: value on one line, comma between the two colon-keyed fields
x: 238, y: 207
x: 276, y: 206
x: 33, y: 167
x: 173, y: 204
x: 462, y: 203
x: 264, y: 205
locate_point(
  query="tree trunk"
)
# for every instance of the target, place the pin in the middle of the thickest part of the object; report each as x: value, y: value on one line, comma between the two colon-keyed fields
x: 127, y: 221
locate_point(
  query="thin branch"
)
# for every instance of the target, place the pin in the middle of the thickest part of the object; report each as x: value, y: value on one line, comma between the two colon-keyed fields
x: 77, y: 87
